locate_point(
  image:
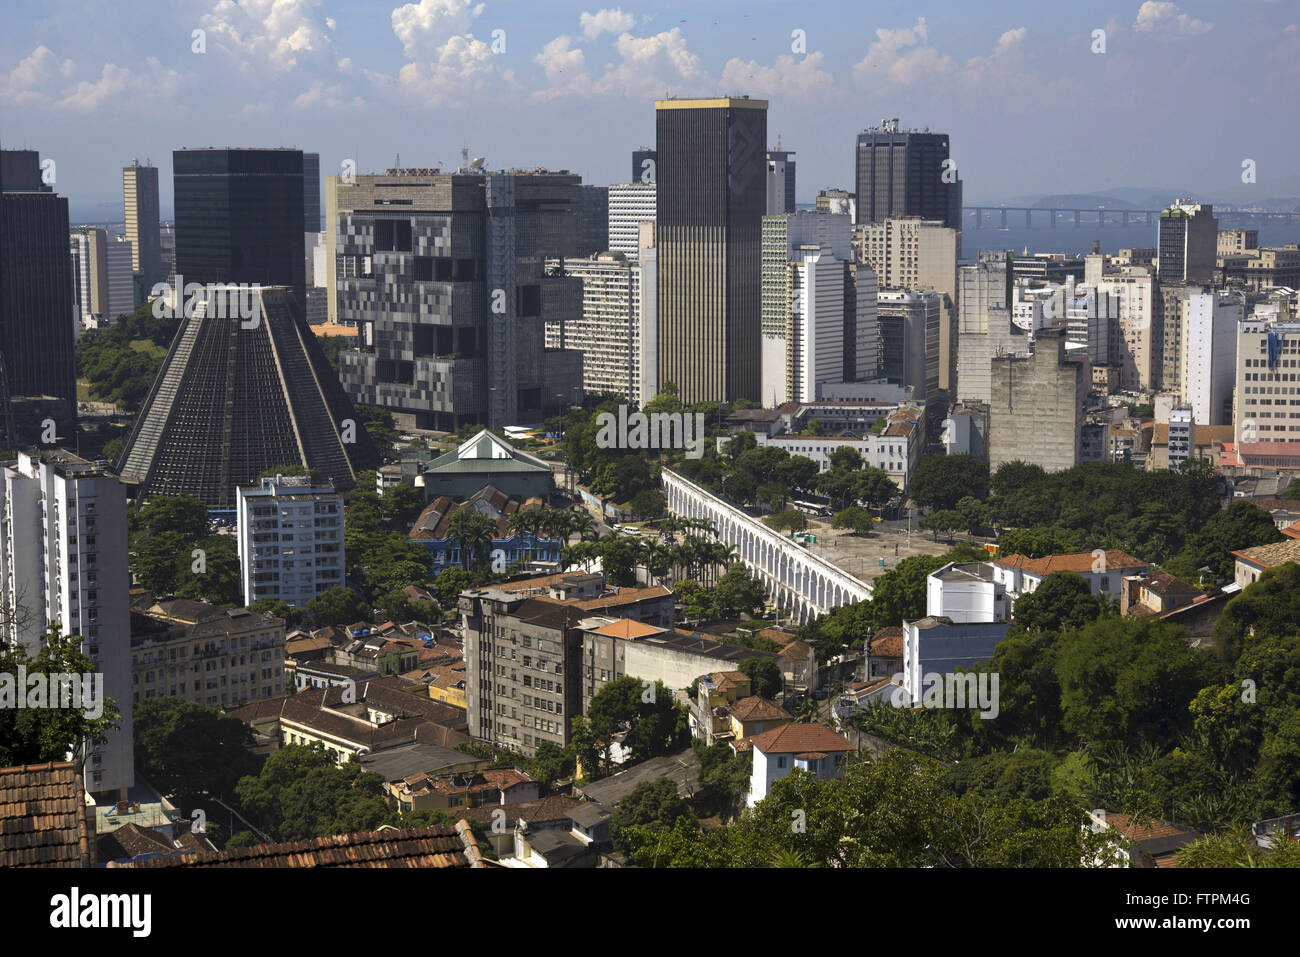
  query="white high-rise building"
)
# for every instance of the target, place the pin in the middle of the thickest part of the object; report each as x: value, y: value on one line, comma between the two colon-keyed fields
x: 611, y: 333
x: 290, y: 540
x: 630, y: 204
x: 1136, y: 347
x: 1267, y: 400
x: 63, y: 561
x: 815, y: 347
x: 1210, y: 355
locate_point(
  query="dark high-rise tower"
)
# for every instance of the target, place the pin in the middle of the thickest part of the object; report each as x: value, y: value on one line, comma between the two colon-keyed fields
x: 644, y: 163
x: 239, y: 217
x: 140, y: 210
x: 236, y: 397
x: 36, y: 294
x: 780, y: 181
x: 901, y: 173
x: 311, y: 192
x: 712, y: 195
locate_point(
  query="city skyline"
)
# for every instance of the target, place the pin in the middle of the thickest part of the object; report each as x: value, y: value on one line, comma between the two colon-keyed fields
x: 525, y: 88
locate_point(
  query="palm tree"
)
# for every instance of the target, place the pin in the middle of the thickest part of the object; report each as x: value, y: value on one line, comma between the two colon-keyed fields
x: 473, y: 532
x: 656, y: 558
x: 582, y: 525
x: 526, y: 522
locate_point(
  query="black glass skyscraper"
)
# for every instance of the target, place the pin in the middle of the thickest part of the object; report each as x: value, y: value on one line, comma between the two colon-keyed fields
x: 901, y: 173
x: 36, y: 294
x: 712, y: 195
x: 239, y: 217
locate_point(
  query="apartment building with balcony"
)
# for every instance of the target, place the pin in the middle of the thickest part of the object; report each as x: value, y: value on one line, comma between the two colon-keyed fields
x: 290, y: 534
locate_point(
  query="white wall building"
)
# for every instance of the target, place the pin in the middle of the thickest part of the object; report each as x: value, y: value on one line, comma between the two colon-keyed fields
x: 967, y: 592
x: 630, y: 204
x: 63, y: 560
x: 290, y: 540
x: 896, y: 450
x: 814, y: 748
x: 1210, y: 345
x: 815, y: 350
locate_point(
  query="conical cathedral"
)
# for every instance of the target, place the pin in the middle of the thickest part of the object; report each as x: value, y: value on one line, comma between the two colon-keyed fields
x: 245, y: 388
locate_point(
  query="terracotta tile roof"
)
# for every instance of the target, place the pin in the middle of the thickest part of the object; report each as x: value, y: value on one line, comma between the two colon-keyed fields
x: 387, y: 847
x: 131, y: 840
x: 547, y: 810
x: 505, y: 778
x: 795, y: 649
x: 1266, y: 556
x: 722, y: 680
x: 888, y: 643
x: 755, y: 708
x: 800, y: 739
x: 628, y: 628
x: 1080, y: 562
x: 1167, y: 585
x: 43, y: 817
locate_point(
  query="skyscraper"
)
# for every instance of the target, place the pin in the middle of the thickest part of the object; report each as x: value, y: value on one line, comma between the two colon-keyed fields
x: 36, y: 296
x: 140, y: 207
x: 102, y: 276
x: 444, y: 274
x: 239, y: 217
x: 644, y: 163
x: 311, y: 192
x: 1188, y: 242
x: 903, y: 173
x: 711, y: 200
x: 780, y: 181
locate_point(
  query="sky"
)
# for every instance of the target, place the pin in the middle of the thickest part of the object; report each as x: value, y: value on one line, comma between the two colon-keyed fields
x: 1034, y: 98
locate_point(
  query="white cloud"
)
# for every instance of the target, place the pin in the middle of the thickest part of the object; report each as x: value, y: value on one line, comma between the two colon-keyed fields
x: 425, y: 27
x: 650, y: 64
x: 36, y: 77
x: 901, y: 58
x: 565, y: 69
x: 605, y: 21
x: 461, y: 65
x: 1160, y: 16
x: 279, y: 34
x: 999, y: 63
x: 42, y: 79
x: 795, y: 79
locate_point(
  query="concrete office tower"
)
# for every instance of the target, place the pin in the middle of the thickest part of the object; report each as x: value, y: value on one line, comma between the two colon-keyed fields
x: 445, y: 275
x: 644, y: 165
x: 236, y: 397
x: 914, y: 253
x: 36, y: 301
x: 311, y: 193
x: 902, y: 173
x: 290, y: 532
x: 712, y: 178
x: 1188, y: 240
x: 102, y: 276
x: 1090, y: 318
x: 784, y: 236
x: 1210, y: 355
x: 909, y: 340
x: 780, y: 181
x: 815, y: 332
x: 593, y: 234
x: 1266, y: 418
x: 1036, y: 414
x: 140, y: 206
x: 630, y: 205
x: 985, y: 326
x: 63, y: 562
x: 610, y: 331
x: 1175, y: 299
x: 239, y: 217
x: 1133, y: 294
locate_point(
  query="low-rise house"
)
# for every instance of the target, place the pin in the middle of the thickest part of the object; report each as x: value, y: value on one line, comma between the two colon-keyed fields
x: 131, y: 842
x: 354, y: 720
x: 708, y: 716
x: 450, y: 792
x: 432, y: 530
x: 1253, y: 562
x: 814, y: 748
x: 884, y: 657
x: 1104, y: 571
x: 798, y: 663
x: 591, y: 823
x: 1150, y: 842
x: 1156, y: 593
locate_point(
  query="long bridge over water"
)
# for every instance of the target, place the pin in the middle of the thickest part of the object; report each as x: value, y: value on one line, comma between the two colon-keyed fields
x: 1004, y: 217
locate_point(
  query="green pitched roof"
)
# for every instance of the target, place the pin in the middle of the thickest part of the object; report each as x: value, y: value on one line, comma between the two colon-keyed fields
x: 486, y: 453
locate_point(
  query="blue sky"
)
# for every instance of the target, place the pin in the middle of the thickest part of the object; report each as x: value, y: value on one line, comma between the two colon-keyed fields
x: 1181, y: 96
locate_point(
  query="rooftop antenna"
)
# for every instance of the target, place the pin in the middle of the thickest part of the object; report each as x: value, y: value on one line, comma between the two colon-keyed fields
x: 464, y: 159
